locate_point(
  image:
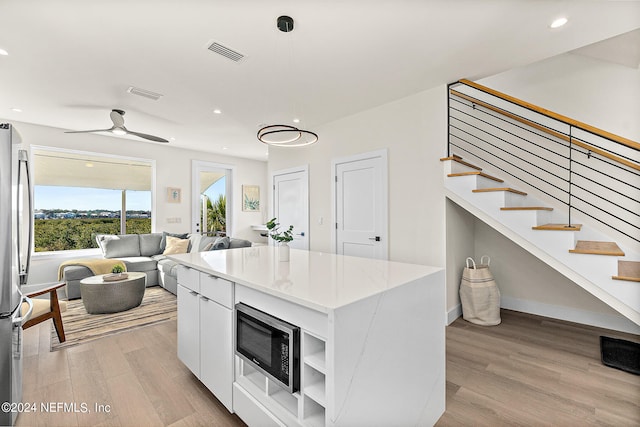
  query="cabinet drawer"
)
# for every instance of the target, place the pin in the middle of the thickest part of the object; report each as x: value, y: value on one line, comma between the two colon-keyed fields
x: 217, y: 289
x: 189, y: 278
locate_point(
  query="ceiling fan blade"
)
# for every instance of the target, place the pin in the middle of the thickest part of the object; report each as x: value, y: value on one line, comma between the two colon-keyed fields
x: 116, y: 118
x: 88, y: 131
x: 146, y: 136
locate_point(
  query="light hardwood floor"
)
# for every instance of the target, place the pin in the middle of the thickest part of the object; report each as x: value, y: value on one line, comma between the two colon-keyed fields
x: 531, y: 371
x: 527, y: 371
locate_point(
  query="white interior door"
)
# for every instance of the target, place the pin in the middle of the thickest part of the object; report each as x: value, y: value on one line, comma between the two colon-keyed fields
x: 291, y: 203
x: 361, y: 206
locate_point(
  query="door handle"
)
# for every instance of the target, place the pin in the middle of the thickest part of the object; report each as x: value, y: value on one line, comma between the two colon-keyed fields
x: 377, y: 238
x: 23, y: 157
x: 18, y: 321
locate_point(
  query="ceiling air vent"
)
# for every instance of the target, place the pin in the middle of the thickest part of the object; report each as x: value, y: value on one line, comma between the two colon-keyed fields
x: 225, y: 51
x: 144, y: 93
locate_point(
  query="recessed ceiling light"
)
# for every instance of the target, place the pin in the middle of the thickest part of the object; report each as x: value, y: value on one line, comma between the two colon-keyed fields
x: 89, y: 164
x: 216, y: 111
x: 225, y: 148
x: 559, y: 22
x: 172, y: 139
x: 296, y: 120
x: 17, y: 110
x: 3, y: 52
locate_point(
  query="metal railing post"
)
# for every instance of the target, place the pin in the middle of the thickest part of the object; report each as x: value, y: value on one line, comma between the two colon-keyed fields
x: 570, y: 163
x: 449, y: 119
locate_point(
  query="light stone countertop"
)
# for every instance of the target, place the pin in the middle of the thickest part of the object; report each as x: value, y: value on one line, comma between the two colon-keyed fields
x: 320, y: 281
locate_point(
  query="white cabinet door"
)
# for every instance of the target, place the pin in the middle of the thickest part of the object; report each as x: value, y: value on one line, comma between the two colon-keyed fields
x: 216, y: 351
x: 189, y: 329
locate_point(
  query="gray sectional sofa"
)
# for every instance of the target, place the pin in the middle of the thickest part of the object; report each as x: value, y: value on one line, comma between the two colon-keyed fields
x: 143, y: 253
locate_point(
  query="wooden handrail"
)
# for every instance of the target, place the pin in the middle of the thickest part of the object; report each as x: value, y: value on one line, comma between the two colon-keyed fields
x: 545, y: 129
x: 610, y: 136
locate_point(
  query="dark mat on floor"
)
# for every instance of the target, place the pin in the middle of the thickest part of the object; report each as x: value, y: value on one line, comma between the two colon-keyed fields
x: 620, y: 354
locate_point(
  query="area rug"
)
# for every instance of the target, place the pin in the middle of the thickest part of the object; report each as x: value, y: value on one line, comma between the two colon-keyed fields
x: 157, y: 306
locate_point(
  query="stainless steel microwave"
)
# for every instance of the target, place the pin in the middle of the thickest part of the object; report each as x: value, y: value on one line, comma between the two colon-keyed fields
x: 269, y: 344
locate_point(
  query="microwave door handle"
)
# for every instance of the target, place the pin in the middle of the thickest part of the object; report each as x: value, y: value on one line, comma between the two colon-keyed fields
x: 24, y: 272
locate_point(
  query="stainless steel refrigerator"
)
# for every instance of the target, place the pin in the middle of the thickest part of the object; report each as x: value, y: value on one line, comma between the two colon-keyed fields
x: 16, y: 232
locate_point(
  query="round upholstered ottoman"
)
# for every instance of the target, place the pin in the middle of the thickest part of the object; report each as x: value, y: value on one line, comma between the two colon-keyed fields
x: 100, y: 296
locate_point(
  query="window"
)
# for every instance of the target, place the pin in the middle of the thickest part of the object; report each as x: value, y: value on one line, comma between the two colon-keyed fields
x: 78, y: 195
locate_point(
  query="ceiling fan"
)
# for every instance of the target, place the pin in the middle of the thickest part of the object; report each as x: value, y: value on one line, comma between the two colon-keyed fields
x: 119, y: 129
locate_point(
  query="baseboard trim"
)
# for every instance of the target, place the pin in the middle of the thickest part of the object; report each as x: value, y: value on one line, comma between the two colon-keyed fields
x: 600, y: 320
x: 584, y: 317
x: 453, y: 314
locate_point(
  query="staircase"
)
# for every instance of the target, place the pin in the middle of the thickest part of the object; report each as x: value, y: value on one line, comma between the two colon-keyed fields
x: 577, y: 250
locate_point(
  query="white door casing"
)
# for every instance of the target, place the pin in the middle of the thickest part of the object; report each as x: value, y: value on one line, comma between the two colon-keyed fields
x: 361, y: 205
x: 198, y: 166
x: 291, y: 203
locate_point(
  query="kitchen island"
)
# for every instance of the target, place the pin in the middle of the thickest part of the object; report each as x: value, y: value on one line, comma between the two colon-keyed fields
x: 372, y: 343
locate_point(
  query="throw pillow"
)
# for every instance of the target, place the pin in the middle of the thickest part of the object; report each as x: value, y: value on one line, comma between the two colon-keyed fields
x: 220, y: 243
x: 207, y: 247
x: 163, y: 241
x: 176, y: 246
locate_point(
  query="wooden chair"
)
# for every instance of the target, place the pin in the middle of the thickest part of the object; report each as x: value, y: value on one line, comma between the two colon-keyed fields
x: 46, y: 309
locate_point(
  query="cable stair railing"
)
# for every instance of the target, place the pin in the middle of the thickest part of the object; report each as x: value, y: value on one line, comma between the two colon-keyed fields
x: 575, y: 171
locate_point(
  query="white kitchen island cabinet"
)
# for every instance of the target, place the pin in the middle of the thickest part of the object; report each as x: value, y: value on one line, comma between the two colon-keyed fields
x: 372, y: 343
x: 205, y: 326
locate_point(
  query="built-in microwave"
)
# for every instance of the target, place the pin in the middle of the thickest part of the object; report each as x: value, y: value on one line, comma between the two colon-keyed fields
x: 269, y: 344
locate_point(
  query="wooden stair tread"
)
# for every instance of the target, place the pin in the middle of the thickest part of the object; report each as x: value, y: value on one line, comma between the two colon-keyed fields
x: 597, y: 248
x: 628, y: 279
x: 482, y: 174
x: 510, y: 190
x: 628, y: 270
x: 526, y: 208
x: 458, y: 159
x: 558, y: 227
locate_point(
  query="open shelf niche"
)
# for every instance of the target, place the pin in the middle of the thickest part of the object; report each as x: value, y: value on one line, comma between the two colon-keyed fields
x: 313, y: 380
x: 308, y: 406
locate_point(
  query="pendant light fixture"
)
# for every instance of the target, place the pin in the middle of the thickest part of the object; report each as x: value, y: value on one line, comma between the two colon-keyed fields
x: 286, y: 135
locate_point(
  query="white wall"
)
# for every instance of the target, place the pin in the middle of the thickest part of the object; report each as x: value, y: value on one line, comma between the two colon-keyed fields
x: 413, y: 130
x: 173, y: 169
x: 602, y: 94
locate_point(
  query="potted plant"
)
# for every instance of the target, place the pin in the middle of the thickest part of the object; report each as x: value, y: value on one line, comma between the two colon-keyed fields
x: 282, y: 237
x: 117, y: 273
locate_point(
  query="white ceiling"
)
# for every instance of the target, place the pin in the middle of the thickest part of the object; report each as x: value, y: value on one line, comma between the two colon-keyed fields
x: 70, y: 62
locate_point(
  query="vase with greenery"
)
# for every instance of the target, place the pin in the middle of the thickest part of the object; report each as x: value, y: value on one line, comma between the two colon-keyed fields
x: 282, y: 237
x: 117, y: 269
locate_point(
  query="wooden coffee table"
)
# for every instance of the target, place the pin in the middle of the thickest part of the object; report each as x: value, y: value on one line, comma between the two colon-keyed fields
x: 99, y: 296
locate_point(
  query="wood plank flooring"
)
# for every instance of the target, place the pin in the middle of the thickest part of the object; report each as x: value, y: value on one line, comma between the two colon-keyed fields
x: 529, y: 370
x: 136, y: 373
x: 532, y: 371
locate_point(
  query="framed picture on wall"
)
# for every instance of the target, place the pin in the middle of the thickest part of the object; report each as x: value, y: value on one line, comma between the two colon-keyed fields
x: 251, y: 198
x: 174, y: 195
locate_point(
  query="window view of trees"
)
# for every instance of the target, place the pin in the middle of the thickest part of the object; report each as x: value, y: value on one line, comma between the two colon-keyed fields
x: 79, y: 232
x: 217, y: 215
x: 78, y: 195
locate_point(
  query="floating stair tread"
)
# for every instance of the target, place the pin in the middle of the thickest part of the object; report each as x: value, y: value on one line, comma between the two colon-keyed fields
x: 597, y: 248
x: 482, y: 174
x: 628, y: 270
x: 458, y: 159
x: 510, y: 190
x: 558, y: 227
x: 526, y: 208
